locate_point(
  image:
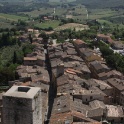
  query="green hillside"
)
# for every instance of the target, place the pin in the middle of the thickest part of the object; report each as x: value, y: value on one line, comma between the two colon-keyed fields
x: 102, y: 3
x: 10, y: 1
x: 16, y: 0
x: 61, y: 0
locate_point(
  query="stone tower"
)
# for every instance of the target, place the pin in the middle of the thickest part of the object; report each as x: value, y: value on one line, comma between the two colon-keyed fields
x: 22, y: 105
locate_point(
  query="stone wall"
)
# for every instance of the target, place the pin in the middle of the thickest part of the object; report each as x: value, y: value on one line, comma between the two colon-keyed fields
x: 22, y: 110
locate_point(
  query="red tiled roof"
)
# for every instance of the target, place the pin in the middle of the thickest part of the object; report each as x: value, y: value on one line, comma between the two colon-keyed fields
x: 25, y: 84
x: 78, y: 41
x: 110, y: 40
x: 30, y: 58
x: 69, y: 115
x: 103, y: 36
x: 71, y: 72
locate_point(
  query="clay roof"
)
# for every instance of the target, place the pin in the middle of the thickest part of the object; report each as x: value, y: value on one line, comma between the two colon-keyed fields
x: 97, y: 65
x: 106, y: 36
x: 42, y: 77
x: 71, y: 51
x: 73, y: 70
x: 97, y: 104
x: 103, y: 35
x: 115, y: 111
x: 102, y: 84
x: 110, y: 40
x: 63, y: 117
x: 30, y: 58
x: 25, y: 84
x: 98, y: 112
x: 78, y: 41
x: 117, y: 83
x: 62, y: 80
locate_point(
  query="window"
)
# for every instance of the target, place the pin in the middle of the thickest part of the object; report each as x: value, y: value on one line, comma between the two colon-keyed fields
x: 91, y: 97
x: 64, y: 106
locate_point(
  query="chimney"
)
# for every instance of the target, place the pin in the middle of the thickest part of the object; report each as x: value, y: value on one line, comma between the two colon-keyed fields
x: 60, y: 69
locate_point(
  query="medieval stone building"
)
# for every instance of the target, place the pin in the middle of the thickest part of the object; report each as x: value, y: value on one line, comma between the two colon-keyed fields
x: 22, y: 105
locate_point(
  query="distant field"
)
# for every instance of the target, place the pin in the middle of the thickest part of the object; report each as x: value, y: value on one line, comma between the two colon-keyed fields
x: 102, y: 3
x: 36, y: 13
x: 101, y: 13
x: 60, y: 0
x: 112, y: 25
x: 48, y: 24
x: 77, y: 11
x: 80, y: 13
x: 6, y: 19
x: 104, y: 21
x: 40, y: 11
x: 60, y: 11
x: 12, y: 17
x: 15, y: 1
x: 5, y: 23
x: 72, y: 26
x: 80, y: 9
